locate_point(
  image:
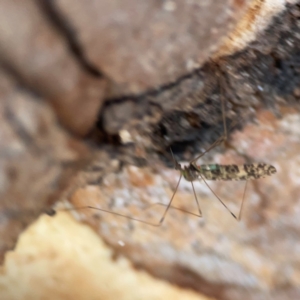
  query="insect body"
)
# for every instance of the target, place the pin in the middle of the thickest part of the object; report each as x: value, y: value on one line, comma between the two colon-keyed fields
x: 226, y: 172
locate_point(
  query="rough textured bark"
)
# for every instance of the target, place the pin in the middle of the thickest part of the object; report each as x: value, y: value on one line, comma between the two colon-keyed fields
x: 82, y: 70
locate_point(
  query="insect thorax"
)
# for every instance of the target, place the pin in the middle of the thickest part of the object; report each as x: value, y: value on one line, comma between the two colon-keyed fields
x: 190, y: 172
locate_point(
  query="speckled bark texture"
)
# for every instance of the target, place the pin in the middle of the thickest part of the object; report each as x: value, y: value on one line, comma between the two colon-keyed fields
x: 94, y: 95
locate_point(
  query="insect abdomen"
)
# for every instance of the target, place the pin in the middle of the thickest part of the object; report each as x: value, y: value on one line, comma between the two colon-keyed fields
x: 236, y: 172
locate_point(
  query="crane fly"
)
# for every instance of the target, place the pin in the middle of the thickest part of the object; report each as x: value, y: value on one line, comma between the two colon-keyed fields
x: 205, y: 172
x: 215, y: 172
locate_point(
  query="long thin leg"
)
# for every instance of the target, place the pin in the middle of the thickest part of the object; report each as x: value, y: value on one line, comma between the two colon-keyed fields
x: 216, y: 143
x: 174, y: 207
x: 129, y: 217
x: 218, y: 198
x: 199, y: 209
x: 242, y: 204
x: 164, y: 215
x: 113, y: 213
x: 224, y: 136
x: 223, y: 114
x: 240, y: 213
x: 52, y: 212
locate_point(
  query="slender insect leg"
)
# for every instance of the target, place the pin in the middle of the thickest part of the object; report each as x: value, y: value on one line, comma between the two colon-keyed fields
x: 218, y: 198
x: 110, y: 212
x: 227, y: 144
x: 178, y: 167
x: 174, y: 207
x: 215, y: 144
x: 222, y: 138
x: 242, y: 204
x: 200, y: 212
x: 164, y: 215
x: 52, y: 212
x: 130, y: 217
x: 223, y: 112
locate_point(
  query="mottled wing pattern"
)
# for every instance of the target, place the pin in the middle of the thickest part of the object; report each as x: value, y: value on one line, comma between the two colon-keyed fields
x: 236, y: 172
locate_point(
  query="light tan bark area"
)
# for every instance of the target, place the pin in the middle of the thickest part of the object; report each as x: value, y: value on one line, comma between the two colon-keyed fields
x: 57, y: 258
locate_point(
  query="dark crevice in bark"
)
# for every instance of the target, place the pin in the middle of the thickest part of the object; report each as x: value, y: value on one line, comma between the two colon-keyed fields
x: 60, y: 22
x: 260, y: 76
